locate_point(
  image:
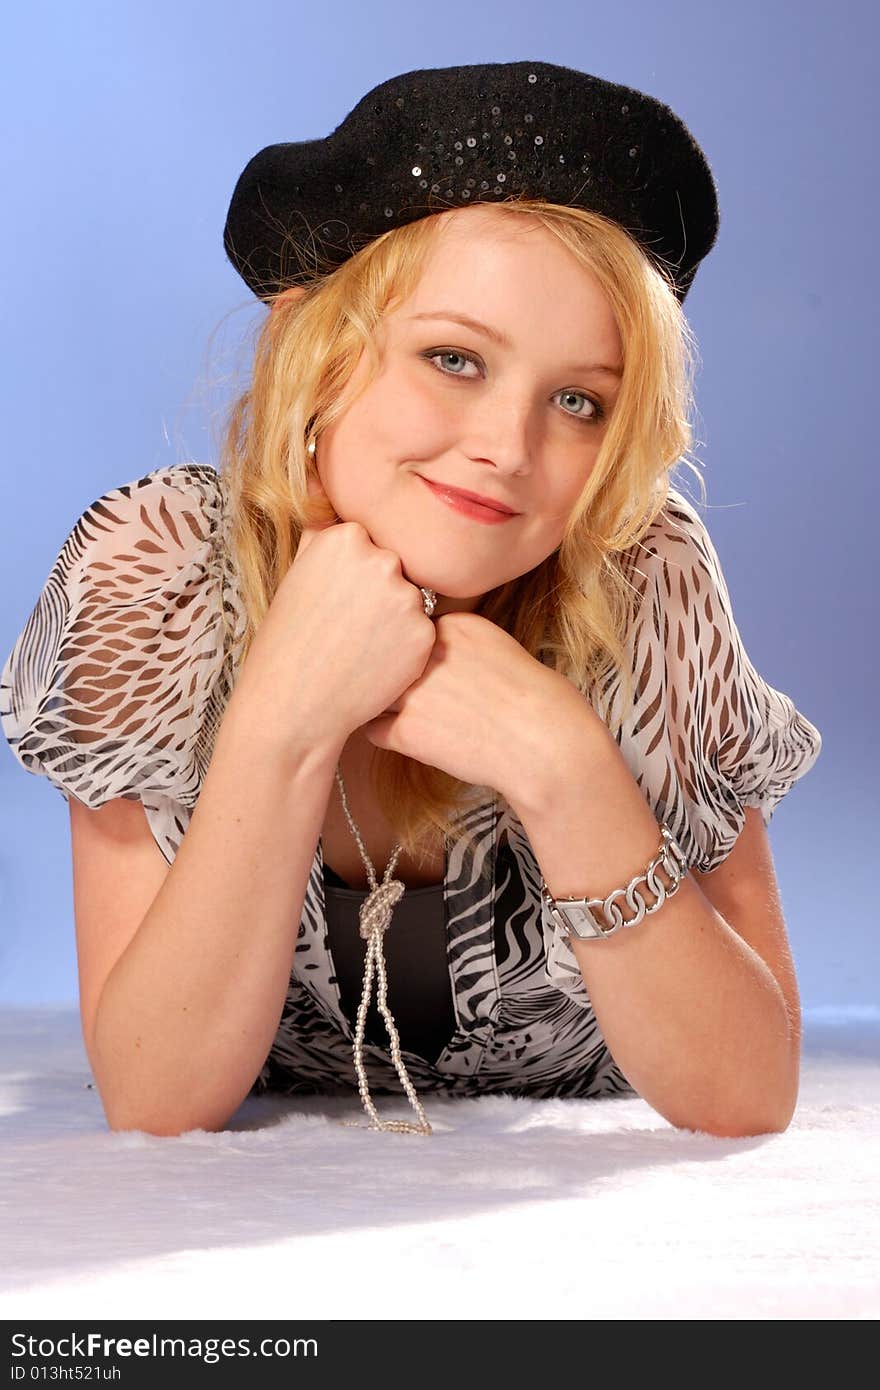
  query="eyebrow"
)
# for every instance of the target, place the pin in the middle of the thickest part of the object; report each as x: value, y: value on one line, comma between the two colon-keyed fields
x: 496, y: 336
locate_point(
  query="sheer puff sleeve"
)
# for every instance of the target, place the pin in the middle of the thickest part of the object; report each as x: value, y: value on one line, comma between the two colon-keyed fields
x: 111, y: 688
x: 707, y: 735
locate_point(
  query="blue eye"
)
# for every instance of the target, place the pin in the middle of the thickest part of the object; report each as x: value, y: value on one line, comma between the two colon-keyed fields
x: 450, y: 352
x: 599, y: 410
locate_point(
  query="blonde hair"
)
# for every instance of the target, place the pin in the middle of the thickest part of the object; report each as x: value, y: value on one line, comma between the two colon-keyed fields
x: 572, y: 610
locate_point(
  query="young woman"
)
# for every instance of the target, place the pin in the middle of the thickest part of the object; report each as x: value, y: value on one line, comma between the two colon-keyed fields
x: 435, y: 686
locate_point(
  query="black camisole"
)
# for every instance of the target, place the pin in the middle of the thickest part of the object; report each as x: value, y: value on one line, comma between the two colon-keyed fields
x: 416, y: 966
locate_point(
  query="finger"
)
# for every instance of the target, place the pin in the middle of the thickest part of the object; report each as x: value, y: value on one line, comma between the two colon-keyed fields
x: 378, y: 732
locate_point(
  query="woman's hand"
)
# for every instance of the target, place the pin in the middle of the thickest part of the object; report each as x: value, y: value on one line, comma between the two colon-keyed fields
x: 482, y: 710
x: 345, y: 633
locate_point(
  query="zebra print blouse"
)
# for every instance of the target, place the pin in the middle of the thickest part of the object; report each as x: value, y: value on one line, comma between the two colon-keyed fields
x: 117, y: 684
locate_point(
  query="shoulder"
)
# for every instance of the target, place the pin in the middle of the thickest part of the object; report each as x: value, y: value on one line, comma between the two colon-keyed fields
x: 191, y: 490
x: 676, y: 562
x: 677, y: 532
x: 148, y: 528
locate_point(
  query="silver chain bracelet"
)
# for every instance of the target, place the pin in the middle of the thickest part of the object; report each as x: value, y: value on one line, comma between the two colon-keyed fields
x: 574, y: 915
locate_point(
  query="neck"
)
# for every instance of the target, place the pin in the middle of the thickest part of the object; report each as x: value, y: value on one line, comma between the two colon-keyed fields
x: 445, y: 604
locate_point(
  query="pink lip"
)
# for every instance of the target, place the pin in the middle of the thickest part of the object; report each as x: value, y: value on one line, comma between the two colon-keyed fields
x: 468, y: 503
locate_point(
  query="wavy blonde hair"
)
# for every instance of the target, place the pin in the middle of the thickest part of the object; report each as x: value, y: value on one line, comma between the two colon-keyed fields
x: 572, y: 610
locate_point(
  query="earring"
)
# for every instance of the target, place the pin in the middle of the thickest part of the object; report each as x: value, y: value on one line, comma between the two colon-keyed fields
x: 311, y: 447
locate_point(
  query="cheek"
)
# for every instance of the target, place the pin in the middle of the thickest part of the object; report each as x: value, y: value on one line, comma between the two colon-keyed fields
x: 560, y: 503
x: 415, y: 413
x: 403, y: 417
x: 540, y: 537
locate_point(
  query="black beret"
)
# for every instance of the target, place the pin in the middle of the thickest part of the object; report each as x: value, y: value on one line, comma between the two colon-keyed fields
x: 438, y: 138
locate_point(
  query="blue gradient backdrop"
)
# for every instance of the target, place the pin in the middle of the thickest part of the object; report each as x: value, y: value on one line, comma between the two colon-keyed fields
x: 126, y: 331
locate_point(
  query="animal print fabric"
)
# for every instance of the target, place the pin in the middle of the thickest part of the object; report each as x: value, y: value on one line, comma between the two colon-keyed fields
x: 117, y: 684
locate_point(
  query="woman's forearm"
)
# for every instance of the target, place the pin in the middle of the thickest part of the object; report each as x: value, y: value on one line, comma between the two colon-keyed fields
x: 690, y: 1012
x: 189, y: 1011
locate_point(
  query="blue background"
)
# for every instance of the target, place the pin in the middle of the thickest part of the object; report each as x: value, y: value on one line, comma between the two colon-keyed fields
x: 127, y: 331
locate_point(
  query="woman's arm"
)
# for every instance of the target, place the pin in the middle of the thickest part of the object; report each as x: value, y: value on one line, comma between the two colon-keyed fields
x: 189, y: 1011
x: 691, y: 1012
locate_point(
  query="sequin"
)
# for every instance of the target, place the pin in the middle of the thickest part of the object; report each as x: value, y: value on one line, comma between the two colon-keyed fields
x: 496, y: 110
x: 471, y: 141
x: 338, y: 187
x: 539, y: 139
x: 633, y: 152
x: 416, y: 171
x: 532, y: 77
x: 624, y: 110
x: 501, y: 177
x: 528, y: 118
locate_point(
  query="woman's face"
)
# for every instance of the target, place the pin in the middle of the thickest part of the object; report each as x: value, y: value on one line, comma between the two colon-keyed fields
x: 519, y: 421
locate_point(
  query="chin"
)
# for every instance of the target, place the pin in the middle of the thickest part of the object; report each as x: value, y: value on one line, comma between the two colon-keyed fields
x: 444, y: 588
x: 429, y: 572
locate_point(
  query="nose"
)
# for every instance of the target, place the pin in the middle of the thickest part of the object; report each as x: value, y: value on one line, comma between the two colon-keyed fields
x: 502, y: 436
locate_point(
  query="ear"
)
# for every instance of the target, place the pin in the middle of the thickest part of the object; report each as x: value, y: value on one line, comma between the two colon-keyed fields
x: 293, y: 292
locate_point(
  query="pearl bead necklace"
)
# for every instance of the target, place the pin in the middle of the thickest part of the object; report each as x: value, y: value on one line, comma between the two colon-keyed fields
x: 375, y: 919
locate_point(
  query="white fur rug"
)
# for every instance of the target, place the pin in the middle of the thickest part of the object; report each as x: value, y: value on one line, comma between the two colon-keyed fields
x: 510, y: 1209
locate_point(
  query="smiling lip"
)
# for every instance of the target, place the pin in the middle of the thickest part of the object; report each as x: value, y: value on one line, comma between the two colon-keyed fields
x: 470, y: 503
